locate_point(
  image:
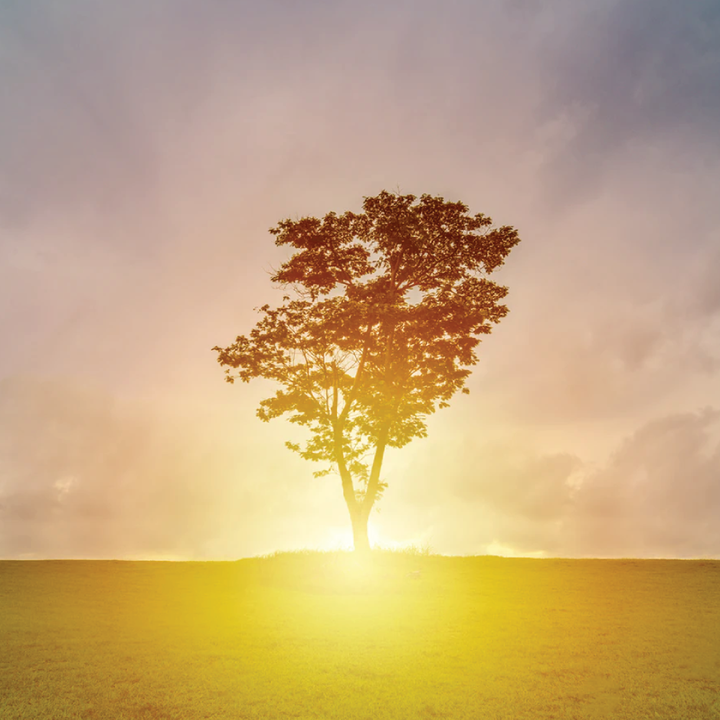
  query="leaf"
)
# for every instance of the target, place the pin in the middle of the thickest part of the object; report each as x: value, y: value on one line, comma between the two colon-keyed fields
x: 379, y: 328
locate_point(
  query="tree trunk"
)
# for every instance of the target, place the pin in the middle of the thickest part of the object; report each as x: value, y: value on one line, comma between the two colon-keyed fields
x: 358, y: 513
x: 360, y: 531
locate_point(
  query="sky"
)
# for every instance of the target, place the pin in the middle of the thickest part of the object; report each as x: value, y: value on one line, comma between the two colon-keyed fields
x: 147, y: 148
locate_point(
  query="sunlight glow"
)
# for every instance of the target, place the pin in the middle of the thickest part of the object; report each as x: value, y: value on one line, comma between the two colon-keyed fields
x: 339, y: 537
x: 497, y: 548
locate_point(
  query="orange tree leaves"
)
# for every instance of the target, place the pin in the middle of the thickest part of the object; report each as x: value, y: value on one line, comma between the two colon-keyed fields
x: 390, y: 305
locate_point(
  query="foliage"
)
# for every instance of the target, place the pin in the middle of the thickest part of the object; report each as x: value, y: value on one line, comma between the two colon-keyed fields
x: 389, y: 306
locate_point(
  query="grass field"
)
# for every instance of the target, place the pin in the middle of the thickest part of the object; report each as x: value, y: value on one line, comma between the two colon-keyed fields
x: 316, y: 636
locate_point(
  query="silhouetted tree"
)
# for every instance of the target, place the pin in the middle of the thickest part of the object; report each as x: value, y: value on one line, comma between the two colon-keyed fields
x: 388, y: 308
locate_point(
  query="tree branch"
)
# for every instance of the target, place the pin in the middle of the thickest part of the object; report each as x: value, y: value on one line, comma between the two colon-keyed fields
x: 374, y: 480
x: 352, y: 394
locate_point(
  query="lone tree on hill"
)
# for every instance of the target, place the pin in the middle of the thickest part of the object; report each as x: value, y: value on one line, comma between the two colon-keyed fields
x: 388, y: 308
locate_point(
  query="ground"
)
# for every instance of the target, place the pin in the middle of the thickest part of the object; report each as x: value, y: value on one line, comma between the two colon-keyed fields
x: 317, y: 635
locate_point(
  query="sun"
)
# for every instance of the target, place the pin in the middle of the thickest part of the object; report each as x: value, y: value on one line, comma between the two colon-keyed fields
x: 339, y: 537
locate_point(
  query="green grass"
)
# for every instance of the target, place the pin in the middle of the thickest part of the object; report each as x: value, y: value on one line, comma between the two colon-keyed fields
x: 310, y: 635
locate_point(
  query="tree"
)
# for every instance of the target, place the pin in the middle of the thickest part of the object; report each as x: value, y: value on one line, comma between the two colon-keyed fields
x: 387, y: 310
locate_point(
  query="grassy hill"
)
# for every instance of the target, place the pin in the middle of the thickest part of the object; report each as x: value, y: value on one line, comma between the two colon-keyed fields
x: 317, y: 635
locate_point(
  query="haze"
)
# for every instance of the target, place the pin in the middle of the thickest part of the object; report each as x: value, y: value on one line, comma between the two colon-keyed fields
x: 145, y: 150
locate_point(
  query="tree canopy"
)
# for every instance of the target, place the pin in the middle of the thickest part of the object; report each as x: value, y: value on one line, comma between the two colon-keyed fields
x: 387, y: 308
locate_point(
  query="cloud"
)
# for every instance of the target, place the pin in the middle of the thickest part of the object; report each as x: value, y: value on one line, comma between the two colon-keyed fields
x: 462, y: 493
x: 146, y: 148
x: 85, y: 473
x: 658, y: 495
x: 633, y: 72
x: 518, y: 481
x: 613, y: 291
x: 590, y: 363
